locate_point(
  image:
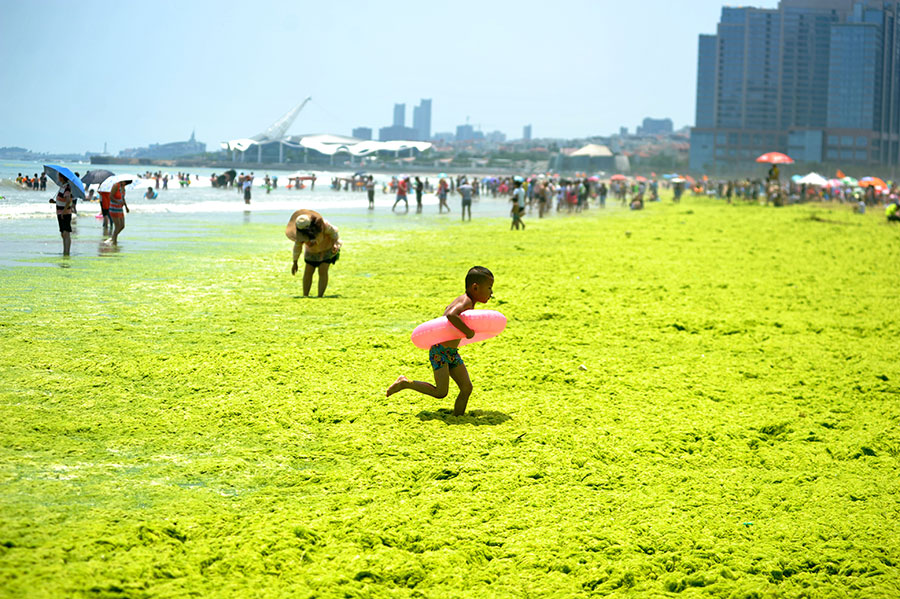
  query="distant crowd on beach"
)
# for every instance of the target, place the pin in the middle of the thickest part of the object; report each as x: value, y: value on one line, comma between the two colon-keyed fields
x: 527, y: 194
x: 541, y: 194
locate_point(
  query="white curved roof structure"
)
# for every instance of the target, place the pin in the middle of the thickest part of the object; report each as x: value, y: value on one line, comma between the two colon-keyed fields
x: 333, y: 144
x: 327, y: 144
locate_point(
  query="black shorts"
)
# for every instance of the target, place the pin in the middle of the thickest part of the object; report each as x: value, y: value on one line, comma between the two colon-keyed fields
x: 65, y: 223
x: 318, y: 262
x: 104, y: 211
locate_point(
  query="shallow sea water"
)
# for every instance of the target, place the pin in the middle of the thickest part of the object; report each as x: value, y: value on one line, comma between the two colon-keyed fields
x: 184, y: 216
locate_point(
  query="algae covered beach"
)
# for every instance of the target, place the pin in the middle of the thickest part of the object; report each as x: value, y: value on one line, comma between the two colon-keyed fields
x: 180, y: 421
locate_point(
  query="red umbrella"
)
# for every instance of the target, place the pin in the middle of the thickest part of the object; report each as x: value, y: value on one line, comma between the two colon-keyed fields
x: 640, y: 179
x: 617, y: 178
x: 775, y: 158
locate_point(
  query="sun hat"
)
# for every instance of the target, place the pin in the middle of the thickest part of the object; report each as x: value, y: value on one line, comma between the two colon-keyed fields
x: 301, y: 221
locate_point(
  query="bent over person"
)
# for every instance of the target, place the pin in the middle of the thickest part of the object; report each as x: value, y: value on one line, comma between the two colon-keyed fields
x: 319, y: 241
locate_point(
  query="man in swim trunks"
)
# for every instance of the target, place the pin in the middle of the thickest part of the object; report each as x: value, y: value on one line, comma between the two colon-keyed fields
x: 445, y: 359
x: 465, y: 191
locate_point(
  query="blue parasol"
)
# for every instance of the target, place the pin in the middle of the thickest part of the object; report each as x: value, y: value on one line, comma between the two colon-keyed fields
x: 75, y: 185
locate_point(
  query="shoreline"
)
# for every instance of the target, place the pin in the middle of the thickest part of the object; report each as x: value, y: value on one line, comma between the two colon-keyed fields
x: 291, y: 167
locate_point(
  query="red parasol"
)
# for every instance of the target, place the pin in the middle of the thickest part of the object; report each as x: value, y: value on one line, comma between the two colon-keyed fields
x: 775, y: 158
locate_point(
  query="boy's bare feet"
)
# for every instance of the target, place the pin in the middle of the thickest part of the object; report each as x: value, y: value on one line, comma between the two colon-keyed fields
x: 397, y: 385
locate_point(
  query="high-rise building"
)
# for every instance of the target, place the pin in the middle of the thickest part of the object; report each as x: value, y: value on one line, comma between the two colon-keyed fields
x: 655, y: 127
x: 422, y: 119
x: 526, y: 133
x: 399, y: 115
x: 363, y: 133
x: 816, y: 79
x: 465, y: 132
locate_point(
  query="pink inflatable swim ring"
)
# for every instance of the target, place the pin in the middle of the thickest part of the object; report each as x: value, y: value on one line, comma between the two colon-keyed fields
x: 485, y: 323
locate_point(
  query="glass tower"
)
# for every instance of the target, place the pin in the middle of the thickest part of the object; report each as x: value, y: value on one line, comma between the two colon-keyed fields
x: 816, y: 79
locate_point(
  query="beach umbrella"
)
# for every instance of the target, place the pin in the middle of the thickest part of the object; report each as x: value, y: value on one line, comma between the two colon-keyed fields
x: 617, y: 178
x: 98, y: 176
x: 850, y: 181
x: 518, y: 179
x: 677, y: 180
x: 594, y: 178
x: 54, y: 171
x: 814, y: 179
x: 796, y: 178
x: 640, y: 179
x: 872, y: 181
x: 442, y: 174
x: 108, y: 183
x: 775, y: 158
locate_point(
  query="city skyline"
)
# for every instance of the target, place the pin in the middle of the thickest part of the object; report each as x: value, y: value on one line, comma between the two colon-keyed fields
x: 195, y: 66
x: 817, y: 81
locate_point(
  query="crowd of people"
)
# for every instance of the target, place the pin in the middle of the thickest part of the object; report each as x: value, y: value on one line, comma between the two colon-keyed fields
x: 35, y: 183
x: 542, y: 194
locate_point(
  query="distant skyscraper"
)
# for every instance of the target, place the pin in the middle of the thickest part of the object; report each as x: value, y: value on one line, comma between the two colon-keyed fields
x: 422, y: 119
x: 396, y: 132
x: 465, y: 133
x: 655, y: 127
x: 526, y: 133
x: 818, y: 80
x: 399, y: 115
x: 362, y: 133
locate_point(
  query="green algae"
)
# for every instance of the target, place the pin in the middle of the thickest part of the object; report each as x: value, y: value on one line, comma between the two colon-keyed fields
x: 182, y: 422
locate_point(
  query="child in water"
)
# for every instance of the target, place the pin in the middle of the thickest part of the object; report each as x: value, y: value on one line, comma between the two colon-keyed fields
x: 444, y: 357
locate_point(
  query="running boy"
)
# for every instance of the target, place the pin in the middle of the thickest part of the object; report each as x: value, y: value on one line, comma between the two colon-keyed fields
x: 444, y: 357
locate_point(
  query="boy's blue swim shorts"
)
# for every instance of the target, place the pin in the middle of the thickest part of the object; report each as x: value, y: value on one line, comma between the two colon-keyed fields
x: 440, y: 355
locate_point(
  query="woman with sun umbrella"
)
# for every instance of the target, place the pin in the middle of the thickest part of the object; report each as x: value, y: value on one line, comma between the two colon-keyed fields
x: 70, y: 187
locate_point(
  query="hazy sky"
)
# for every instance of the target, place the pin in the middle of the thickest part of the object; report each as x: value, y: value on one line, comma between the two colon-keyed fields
x: 74, y: 75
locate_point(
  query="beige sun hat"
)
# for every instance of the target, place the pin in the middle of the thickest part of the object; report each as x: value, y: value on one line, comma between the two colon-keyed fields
x: 300, y: 221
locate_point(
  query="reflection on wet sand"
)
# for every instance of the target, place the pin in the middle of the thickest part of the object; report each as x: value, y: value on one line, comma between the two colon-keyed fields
x: 108, y: 249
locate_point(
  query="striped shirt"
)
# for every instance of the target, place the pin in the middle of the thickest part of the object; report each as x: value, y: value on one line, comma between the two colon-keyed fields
x: 64, y: 200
